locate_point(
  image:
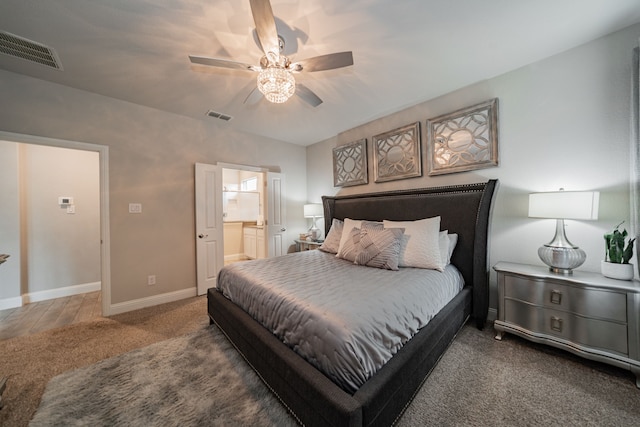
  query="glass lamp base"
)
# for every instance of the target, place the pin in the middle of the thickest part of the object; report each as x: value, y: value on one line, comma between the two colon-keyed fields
x: 314, y: 233
x: 562, y: 260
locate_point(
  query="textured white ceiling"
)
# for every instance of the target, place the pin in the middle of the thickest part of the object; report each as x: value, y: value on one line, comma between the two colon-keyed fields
x: 405, y: 52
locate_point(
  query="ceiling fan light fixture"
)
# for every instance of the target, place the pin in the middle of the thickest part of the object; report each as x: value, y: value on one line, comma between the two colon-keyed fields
x: 276, y: 84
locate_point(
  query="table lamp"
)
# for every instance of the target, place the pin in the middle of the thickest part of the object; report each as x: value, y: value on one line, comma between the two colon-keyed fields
x: 313, y: 210
x: 560, y: 254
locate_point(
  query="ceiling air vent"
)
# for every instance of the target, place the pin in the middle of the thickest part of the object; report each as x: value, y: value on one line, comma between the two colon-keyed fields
x: 220, y: 116
x: 22, y: 48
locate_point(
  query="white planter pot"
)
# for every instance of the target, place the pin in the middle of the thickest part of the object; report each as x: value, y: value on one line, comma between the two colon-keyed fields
x: 617, y: 271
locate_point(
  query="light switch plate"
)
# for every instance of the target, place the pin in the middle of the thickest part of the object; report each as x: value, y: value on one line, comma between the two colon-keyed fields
x: 135, y: 208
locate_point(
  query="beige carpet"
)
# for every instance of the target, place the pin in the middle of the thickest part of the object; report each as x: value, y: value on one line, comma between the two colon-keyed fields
x: 478, y: 382
x: 30, y: 362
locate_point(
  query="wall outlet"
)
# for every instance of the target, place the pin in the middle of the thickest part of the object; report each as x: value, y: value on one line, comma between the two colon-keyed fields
x: 135, y: 208
x: 151, y: 280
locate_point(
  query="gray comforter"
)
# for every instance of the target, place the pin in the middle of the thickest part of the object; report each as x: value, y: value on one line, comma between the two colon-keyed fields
x: 346, y: 320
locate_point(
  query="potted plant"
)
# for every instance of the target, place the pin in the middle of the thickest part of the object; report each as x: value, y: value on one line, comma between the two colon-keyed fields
x: 617, y: 255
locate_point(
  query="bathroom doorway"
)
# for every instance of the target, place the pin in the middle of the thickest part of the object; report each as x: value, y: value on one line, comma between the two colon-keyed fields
x: 243, y: 195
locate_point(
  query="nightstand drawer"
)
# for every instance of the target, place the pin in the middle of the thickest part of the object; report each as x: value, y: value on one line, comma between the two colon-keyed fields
x: 593, y: 333
x: 583, y: 301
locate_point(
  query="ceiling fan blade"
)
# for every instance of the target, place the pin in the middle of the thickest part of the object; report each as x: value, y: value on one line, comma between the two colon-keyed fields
x: 324, y: 62
x: 266, y: 27
x: 203, y: 60
x: 307, y: 95
x: 254, y: 96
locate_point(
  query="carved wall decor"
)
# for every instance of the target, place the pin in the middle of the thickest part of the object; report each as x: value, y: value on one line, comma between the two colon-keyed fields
x: 464, y: 140
x: 350, y: 164
x: 397, y: 154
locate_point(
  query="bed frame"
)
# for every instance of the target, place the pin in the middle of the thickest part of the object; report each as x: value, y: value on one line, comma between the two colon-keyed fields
x: 309, y: 395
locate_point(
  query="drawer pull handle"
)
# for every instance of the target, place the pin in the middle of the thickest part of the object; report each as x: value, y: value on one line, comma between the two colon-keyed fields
x: 556, y: 297
x: 556, y: 324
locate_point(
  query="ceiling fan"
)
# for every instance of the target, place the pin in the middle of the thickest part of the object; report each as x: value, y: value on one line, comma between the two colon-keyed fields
x: 275, y: 73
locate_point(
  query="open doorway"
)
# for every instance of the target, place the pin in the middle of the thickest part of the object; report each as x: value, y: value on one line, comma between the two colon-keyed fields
x: 210, y: 219
x: 56, y: 225
x: 243, y: 197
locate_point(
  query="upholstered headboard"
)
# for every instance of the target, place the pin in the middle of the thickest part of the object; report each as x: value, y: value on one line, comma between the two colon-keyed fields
x: 464, y: 209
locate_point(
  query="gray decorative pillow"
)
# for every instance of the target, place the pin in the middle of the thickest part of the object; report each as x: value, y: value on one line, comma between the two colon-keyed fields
x: 332, y: 242
x: 349, y: 241
x: 380, y: 248
x: 350, y: 223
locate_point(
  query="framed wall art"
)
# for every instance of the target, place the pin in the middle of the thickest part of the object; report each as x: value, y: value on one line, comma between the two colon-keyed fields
x: 350, y: 164
x: 397, y: 154
x: 464, y: 140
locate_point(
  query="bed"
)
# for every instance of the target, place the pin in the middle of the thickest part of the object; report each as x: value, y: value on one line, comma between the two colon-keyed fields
x: 310, y: 395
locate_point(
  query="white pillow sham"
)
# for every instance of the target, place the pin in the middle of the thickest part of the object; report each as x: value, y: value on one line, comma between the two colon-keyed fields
x: 421, y: 243
x: 331, y: 243
x: 447, y: 245
x: 443, y: 242
x: 453, y: 241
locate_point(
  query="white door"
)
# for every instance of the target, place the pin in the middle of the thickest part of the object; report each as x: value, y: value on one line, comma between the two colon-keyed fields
x: 209, y: 225
x: 276, y: 215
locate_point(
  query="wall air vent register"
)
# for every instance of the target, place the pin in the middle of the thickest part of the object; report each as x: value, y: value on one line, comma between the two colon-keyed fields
x: 220, y: 116
x: 22, y: 48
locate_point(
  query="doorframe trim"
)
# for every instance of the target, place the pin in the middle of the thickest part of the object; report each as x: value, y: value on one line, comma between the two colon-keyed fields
x: 242, y: 167
x: 105, y: 236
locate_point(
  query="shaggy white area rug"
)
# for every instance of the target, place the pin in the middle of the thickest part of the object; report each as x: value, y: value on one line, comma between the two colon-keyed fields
x: 200, y: 380
x: 195, y: 380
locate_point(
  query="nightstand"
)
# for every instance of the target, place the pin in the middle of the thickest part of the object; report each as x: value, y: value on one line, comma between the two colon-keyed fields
x: 584, y: 313
x: 305, y: 245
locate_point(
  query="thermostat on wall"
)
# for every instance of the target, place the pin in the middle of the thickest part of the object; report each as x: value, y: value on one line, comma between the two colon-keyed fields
x: 63, y: 201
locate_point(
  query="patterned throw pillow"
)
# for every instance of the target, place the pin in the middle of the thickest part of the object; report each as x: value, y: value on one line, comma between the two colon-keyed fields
x: 349, y: 249
x: 380, y: 248
x: 332, y: 242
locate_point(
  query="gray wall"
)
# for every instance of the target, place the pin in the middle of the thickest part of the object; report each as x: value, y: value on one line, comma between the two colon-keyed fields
x: 54, y: 253
x: 564, y: 122
x: 62, y: 249
x: 9, y: 226
x: 151, y: 161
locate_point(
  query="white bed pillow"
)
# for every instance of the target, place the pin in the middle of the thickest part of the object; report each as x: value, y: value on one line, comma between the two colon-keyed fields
x: 349, y: 224
x: 443, y: 242
x: 349, y: 250
x: 421, y: 243
x: 453, y: 241
x: 331, y: 243
x: 447, y: 245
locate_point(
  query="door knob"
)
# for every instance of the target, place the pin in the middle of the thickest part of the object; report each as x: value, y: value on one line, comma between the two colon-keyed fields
x: 202, y: 236
x: 283, y: 229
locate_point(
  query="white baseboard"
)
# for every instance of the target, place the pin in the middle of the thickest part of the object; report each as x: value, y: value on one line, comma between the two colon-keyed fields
x: 7, y: 303
x: 60, y: 292
x: 235, y: 257
x: 124, y: 307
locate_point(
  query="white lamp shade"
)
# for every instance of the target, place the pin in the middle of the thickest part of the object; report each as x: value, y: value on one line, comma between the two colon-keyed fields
x: 564, y: 205
x: 313, y: 210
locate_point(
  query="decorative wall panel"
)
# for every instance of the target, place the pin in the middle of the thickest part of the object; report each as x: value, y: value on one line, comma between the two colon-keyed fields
x: 350, y: 164
x: 464, y: 140
x: 397, y: 154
